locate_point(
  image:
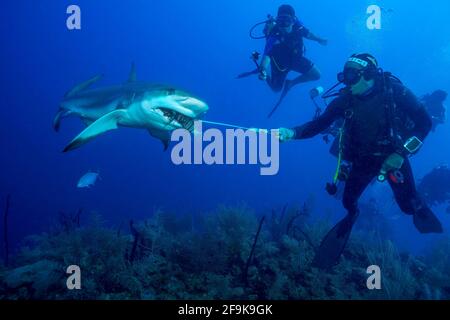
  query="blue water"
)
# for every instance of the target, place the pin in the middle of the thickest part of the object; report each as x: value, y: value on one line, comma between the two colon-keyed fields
x: 201, y: 46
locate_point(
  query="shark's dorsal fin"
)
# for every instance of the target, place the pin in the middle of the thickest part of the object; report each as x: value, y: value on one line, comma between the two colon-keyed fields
x: 83, y: 86
x: 132, y: 76
x: 106, y: 123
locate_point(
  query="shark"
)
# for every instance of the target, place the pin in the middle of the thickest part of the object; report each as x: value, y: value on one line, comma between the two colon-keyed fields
x: 159, y: 109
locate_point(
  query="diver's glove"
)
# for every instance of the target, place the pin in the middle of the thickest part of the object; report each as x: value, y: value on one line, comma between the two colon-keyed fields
x: 285, y: 134
x: 393, y: 163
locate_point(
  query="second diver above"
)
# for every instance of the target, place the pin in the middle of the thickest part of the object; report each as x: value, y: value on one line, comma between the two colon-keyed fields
x: 383, y: 124
x: 284, y: 52
x: 434, y: 103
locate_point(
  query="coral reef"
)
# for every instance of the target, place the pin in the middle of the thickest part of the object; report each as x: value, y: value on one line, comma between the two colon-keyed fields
x: 231, y: 253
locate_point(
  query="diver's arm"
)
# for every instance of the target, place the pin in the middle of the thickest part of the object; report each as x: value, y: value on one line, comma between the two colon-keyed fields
x: 265, y: 62
x: 311, y: 36
x: 317, y: 126
x: 263, y: 67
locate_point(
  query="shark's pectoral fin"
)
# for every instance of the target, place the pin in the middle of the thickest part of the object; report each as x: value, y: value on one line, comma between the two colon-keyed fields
x: 162, y: 135
x: 87, y: 122
x: 106, y: 123
x: 83, y: 86
x: 57, y: 120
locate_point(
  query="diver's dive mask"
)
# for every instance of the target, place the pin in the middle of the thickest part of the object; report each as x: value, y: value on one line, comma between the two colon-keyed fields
x: 285, y: 20
x: 350, y: 76
x: 367, y: 68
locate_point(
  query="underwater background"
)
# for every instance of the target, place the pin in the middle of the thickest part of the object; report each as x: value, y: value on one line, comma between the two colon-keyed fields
x: 200, y: 46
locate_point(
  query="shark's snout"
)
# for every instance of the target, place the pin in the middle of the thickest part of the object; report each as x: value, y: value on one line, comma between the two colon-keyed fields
x: 178, y: 110
x: 187, y: 111
x: 195, y: 105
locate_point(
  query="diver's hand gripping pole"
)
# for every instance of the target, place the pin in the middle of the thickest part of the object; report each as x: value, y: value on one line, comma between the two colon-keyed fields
x: 254, y: 57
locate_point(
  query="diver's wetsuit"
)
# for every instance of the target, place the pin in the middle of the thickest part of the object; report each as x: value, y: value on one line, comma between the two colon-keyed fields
x: 366, y: 140
x: 286, y: 52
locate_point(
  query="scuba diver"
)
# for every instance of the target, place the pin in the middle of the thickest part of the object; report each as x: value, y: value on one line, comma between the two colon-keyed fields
x: 434, y: 103
x: 284, y: 52
x: 383, y: 124
x: 435, y: 186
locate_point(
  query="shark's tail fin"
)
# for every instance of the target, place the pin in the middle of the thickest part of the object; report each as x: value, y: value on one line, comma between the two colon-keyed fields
x: 83, y: 86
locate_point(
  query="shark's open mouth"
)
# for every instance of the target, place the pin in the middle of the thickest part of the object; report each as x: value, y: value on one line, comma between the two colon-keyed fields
x: 172, y: 115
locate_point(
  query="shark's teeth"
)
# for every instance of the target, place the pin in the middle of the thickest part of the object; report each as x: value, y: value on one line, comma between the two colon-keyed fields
x: 177, y: 118
x: 160, y: 112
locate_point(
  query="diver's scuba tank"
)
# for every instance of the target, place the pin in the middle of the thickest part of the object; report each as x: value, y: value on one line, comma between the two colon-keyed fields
x: 316, y: 92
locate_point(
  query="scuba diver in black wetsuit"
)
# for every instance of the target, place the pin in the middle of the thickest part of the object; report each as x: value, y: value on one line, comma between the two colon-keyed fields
x: 435, y: 186
x: 383, y: 124
x: 284, y: 52
x: 434, y: 103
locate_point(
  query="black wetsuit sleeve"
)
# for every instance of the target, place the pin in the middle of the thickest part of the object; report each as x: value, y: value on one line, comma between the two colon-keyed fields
x: 304, y: 32
x: 323, y: 122
x: 410, y: 105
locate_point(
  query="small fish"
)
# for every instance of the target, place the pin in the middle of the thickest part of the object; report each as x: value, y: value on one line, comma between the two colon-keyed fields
x: 395, y: 217
x: 88, y: 180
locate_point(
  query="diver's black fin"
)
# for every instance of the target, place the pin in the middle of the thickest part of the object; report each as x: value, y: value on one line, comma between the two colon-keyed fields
x: 426, y: 222
x: 283, y: 95
x: 247, y: 74
x: 334, y: 243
